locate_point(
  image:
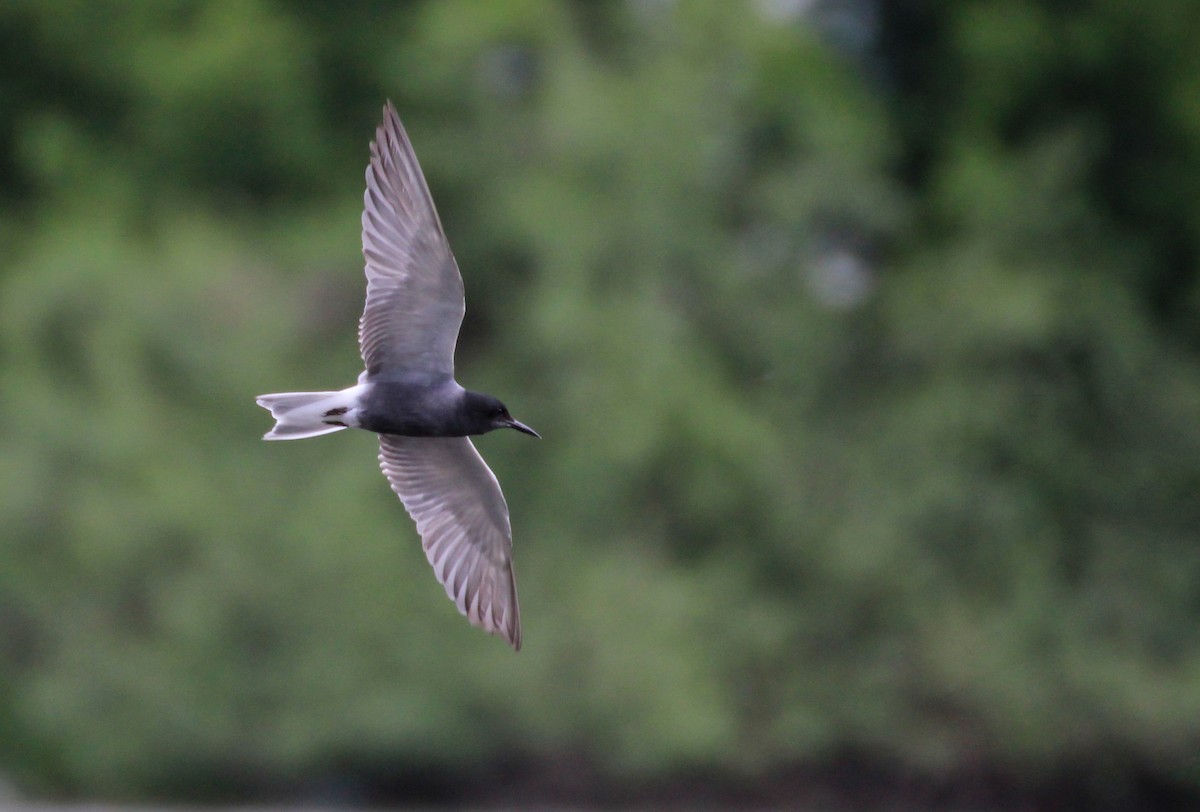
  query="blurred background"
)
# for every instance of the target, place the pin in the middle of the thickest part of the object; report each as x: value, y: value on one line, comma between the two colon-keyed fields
x: 864, y: 337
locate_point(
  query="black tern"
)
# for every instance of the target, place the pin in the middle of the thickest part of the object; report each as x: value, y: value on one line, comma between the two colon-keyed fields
x: 409, y: 397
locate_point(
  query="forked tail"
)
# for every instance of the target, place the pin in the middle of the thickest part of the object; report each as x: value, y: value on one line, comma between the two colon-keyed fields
x: 310, y: 414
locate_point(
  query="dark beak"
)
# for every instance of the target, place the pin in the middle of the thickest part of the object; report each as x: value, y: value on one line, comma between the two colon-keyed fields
x: 519, y: 426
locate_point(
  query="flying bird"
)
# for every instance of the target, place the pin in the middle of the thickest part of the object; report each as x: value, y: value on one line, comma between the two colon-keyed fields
x: 408, y: 395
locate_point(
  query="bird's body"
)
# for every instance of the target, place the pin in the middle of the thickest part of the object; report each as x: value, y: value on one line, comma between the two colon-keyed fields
x: 409, y: 397
x: 416, y: 410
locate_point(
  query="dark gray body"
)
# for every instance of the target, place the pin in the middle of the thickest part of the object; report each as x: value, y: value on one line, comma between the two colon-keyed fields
x: 440, y: 408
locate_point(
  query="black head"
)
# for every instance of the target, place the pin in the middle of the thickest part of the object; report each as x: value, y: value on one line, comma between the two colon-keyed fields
x: 484, y: 413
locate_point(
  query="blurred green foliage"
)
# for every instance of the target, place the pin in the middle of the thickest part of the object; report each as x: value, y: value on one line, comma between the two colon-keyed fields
x: 864, y: 339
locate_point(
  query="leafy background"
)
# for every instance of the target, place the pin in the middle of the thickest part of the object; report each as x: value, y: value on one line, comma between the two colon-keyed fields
x: 864, y: 338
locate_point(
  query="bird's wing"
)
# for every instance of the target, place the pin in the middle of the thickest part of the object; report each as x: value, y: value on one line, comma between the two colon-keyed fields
x: 463, y: 520
x: 414, y: 290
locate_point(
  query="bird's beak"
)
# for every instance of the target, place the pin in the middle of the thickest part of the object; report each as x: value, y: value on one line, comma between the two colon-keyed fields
x: 519, y: 426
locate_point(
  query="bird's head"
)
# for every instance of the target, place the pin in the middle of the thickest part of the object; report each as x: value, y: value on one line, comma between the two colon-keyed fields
x: 487, y: 413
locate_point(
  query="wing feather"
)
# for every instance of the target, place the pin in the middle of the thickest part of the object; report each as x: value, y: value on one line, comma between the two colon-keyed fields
x: 414, y: 304
x: 462, y: 517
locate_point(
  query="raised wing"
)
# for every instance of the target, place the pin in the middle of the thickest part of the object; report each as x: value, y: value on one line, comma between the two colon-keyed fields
x: 463, y: 520
x: 414, y: 290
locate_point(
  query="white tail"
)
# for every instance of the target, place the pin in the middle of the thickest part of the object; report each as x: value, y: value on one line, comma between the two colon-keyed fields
x: 311, y: 414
